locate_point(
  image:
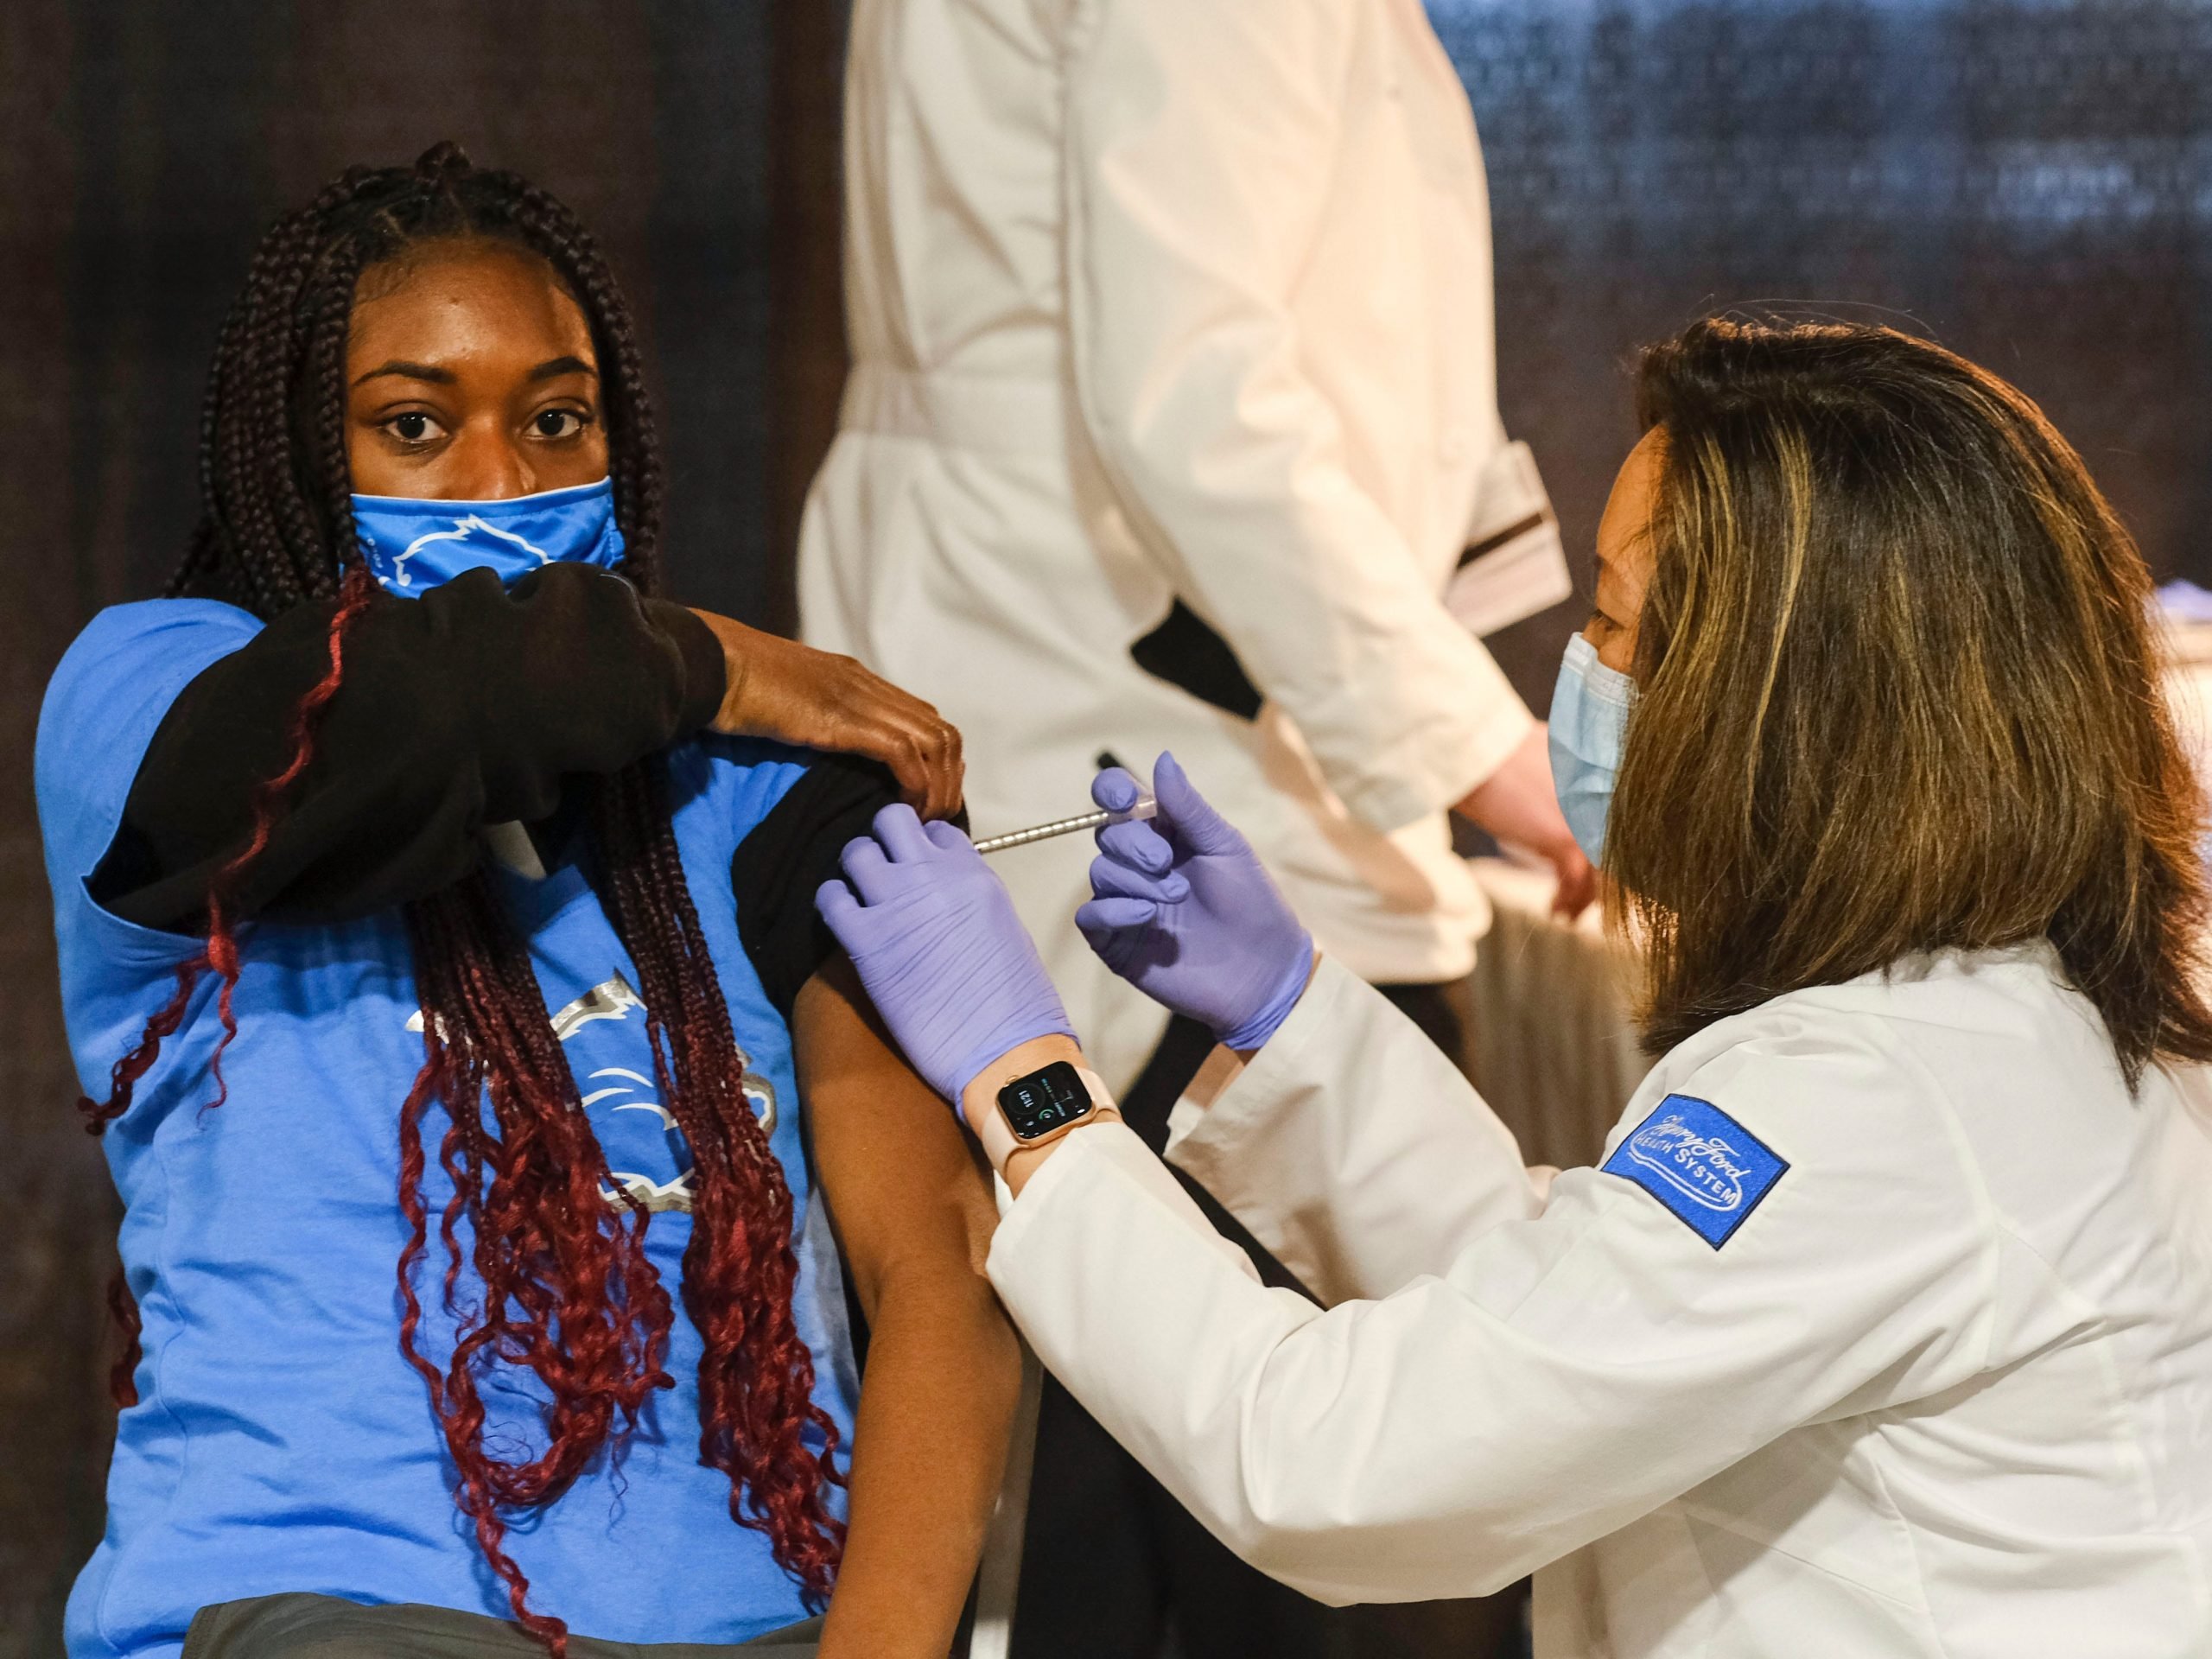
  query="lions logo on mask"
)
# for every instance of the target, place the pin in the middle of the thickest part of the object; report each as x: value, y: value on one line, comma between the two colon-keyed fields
x: 413, y: 546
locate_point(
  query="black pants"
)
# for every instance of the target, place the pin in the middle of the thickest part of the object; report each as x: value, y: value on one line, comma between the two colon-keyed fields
x: 1112, y: 1565
x: 323, y: 1627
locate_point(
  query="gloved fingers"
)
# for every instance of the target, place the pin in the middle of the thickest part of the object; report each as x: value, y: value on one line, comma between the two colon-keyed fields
x: 1115, y: 915
x: 1116, y: 789
x: 1116, y: 929
x: 1112, y: 879
x: 947, y: 837
x: 1138, y: 845
x: 868, y: 868
x: 834, y: 902
x: 1189, y: 814
x: 899, y: 828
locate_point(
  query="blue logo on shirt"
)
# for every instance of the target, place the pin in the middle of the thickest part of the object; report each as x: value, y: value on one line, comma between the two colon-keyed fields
x: 1700, y: 1163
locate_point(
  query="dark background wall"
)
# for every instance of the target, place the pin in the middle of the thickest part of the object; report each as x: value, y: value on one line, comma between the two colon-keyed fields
x: 2030, y: 180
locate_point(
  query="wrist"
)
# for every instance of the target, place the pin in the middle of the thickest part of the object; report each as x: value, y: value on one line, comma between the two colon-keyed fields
x: 1514, y: 787
x: 1254, y: 1030
x: 1001, y: 1134
x: 982, y: 1094
x: 730, y: 641
x: 699, y: 649
x: 1025, y: 1161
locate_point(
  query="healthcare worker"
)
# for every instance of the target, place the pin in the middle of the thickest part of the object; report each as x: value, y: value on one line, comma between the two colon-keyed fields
x: 1165, y: 310
x: 1885, y: 1325
x: 1172, y: 423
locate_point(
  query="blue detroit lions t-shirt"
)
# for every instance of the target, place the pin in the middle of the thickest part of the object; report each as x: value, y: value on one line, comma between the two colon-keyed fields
x: 280, y: 1443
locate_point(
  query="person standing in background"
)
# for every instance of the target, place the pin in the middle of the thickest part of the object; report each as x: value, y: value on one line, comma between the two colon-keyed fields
x: 1174, y: 422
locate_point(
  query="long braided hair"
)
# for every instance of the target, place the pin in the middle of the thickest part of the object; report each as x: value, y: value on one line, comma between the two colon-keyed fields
x: 567, y: 1290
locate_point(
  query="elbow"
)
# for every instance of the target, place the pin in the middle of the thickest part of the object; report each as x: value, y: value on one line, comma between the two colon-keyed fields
x: 1321, y: 1564
x: 1349, y: 1568
x: 1278, y: 1530
x: 1122, y: 450
x: 1217, y: 408
x: 1289, y: 1558
x: 1150, y: 435
x: 1340, y: 1557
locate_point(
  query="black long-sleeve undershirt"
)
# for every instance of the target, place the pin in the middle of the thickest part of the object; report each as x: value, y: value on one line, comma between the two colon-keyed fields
x: 466, y: 707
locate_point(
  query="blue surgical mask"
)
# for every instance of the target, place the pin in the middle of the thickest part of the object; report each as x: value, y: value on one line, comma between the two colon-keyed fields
x: 1589, y: 718
x: 412, y: 546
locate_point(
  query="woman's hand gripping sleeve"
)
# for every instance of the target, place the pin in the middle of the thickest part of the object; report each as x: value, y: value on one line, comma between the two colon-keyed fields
x: 466, y: 707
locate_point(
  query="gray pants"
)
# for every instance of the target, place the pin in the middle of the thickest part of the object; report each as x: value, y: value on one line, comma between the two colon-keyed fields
x: 323, y: 1627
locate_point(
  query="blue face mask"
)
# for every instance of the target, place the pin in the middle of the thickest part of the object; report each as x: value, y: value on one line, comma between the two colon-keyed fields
x: 1590, y: 708
x: 412, y: 546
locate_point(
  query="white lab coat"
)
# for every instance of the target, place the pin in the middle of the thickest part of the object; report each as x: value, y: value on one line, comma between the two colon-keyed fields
x: 1946, y: 1391
x: 1152, y: 298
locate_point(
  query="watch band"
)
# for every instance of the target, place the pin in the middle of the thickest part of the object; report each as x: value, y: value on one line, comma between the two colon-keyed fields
x: 996, y: 1134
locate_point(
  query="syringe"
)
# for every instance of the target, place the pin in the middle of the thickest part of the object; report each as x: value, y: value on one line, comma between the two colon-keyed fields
x: 1144, y: 808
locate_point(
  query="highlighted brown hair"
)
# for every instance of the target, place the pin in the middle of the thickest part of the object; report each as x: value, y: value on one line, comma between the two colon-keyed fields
x: 1899, y: 692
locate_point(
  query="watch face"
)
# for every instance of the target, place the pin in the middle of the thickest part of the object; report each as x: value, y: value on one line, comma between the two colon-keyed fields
x: 1044, y: 1101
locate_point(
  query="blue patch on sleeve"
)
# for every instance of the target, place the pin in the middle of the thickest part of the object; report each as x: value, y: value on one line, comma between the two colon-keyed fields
x: 1700, y: 1163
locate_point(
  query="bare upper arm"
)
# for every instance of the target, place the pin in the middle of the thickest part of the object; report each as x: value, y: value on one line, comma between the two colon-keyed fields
x: 906, y: 1190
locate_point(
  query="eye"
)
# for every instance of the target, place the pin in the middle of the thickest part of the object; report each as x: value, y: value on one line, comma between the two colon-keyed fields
x: 414, y: 427
x: 558, y: 423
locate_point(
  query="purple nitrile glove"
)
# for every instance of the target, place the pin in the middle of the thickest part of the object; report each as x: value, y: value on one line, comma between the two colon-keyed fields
x: 944, y: 958
x: 1182, y: 909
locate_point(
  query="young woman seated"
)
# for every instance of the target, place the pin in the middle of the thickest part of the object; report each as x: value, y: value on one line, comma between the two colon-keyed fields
x: 496, y: 1124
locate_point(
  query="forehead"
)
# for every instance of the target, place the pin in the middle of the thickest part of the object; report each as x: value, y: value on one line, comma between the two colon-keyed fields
x: 451, y: 301
x: 1622, y: 533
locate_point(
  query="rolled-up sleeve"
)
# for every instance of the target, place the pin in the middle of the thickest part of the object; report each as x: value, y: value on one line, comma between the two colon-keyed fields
x: 1201, y: 138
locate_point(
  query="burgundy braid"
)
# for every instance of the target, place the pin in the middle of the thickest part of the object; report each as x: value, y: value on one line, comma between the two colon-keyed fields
x: 221, y: 953
x: 756, y: 1378
x: 567, y: 1292
x: 122, y: 1308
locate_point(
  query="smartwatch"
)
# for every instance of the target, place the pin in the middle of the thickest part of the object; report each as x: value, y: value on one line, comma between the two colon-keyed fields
x: 1040, y: 1107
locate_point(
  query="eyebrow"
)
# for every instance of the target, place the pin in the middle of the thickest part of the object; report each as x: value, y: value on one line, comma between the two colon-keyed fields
x: 400, y: 368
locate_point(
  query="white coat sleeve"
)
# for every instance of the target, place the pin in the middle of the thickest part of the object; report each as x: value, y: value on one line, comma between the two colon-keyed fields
x: 1201, y: 136
x: 1565, y: 1376
x: 1330, y: 1144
